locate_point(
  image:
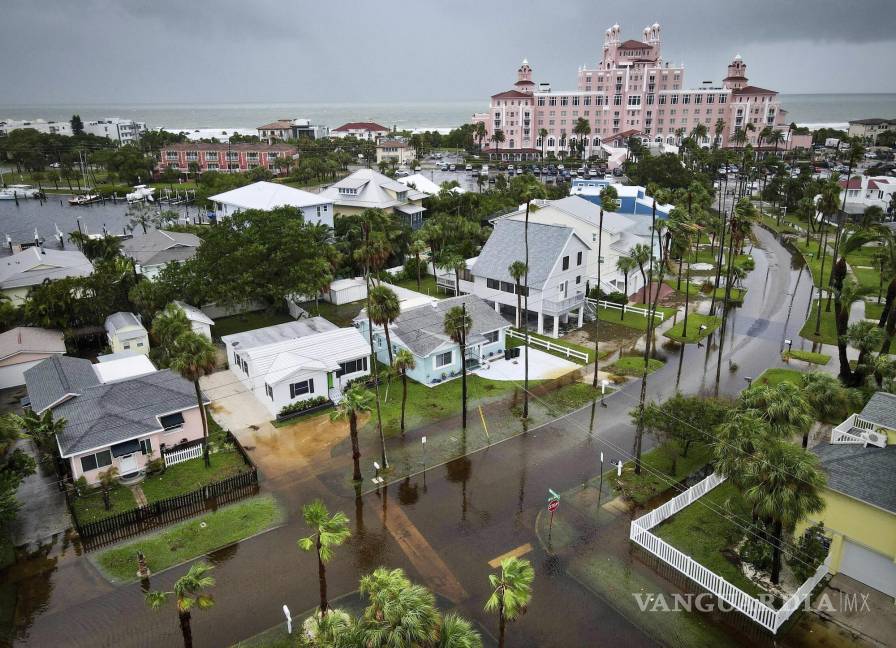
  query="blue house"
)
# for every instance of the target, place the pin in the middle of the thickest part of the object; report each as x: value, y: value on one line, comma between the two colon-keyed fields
x: 421, y: 330
x: 632, y: 199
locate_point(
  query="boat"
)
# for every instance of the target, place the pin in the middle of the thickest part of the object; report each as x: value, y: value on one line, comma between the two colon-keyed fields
x: 19, y: 190
x: 84, y: 199
x: 141, y: 192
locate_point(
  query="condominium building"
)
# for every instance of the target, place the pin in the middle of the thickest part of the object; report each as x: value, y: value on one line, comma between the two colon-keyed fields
x: 123, y: 131
x: 223, y: 156
x: 361, y: 130
x: 40, y: 125
x: 633, y: 91
x: 869, y: 129
x: 291, y: 129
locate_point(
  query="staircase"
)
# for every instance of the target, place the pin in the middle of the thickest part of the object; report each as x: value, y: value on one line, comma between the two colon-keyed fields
x: 335, y: 395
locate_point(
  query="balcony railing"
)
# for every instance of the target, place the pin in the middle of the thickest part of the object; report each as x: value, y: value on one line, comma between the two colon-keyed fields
x: 559, y: 306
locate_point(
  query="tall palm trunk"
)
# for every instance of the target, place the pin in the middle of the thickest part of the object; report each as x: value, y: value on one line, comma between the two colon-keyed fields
x: 526, y: 320
x: 185, y: 629
x: 823, y: 247
x: 388, y: 342
x: 639, y: 431
x: 502, y: 623
x: 404, y: 397
x: 204, y: 423
x: 322, y: 579
x: 600, y: 239
x: 519, y: 304
x: 356, y: 448
x: 376, y: 374
x: 777, y: 532
x: 463, y: 377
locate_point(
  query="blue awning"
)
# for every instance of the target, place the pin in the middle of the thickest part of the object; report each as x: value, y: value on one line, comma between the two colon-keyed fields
x: 125, y: 448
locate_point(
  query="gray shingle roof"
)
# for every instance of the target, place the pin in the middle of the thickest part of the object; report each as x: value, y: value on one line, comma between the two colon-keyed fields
x: 117, y: 411
x: 589, y: 212
x: 881, y: 410
x: 32, y: 266
x: 422, y: 329
x: 866, y: 474
x: 278, y: 333
x: 507, y: 244
x: 159, y: 246
x: 57, y: 377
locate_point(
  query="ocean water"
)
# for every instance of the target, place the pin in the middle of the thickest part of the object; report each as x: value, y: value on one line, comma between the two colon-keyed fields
x: 809, y: 109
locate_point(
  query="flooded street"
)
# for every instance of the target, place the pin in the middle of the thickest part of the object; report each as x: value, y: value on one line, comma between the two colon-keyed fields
x: 443, y: 526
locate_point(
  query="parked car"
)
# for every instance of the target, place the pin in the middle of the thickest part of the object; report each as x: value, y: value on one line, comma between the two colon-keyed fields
x: 452, y: 167
x: 469, y: 167
x: 617, y: 172
x: 560, y: 167
x: 510, y: 167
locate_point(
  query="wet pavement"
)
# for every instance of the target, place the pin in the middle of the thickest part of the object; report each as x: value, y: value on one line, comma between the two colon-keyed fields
x: 442, y: 526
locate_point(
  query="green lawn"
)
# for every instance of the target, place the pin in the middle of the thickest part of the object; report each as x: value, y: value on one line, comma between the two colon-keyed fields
x: 873, y: 310
x: 657, y: 475
x: 341, y: 315
x: 90, y: 508
x: 569, y: 397
x: 427, y: 286
x: 813, y: 261
x: 695, y: 321
x: 633, y: 365
x: 631, y: 320
x: 515, y: 342
x: 735, y: 297
x: 190, y: 475
x: 776, y: 376
x: 703, y: 534
x: 828, y: 330
x: 193, y: 538
x: 247, y: 322
x: 807, y: 356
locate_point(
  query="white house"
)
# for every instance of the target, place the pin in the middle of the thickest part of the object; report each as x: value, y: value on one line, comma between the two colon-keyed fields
x: 868, y: 191
x: 369, y: 189
x: 22, y: 348
x: 266, y: 196
x: 393, y: 150
x: 35, y: 265
x: 157, y: 248
x: 199, y: 321
x: 125, y: 333
x: 420, y: 182
x: 557, y: 273
x: 296, y: 361
x: 123, y: 131
x: 361, y: 130
x: 421, y: 330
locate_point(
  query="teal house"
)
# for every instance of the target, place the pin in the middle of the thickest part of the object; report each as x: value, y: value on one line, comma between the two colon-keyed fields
x: 421, y: 330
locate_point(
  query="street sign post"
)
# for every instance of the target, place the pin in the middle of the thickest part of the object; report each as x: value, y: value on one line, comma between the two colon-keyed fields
x: 553, y: 505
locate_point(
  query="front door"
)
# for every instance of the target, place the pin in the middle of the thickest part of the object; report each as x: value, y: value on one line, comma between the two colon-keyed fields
x: 329, y: 381
x: 127, y: 464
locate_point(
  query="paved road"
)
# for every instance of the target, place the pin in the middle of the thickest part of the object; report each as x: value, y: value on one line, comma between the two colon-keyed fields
x: 443, y: 526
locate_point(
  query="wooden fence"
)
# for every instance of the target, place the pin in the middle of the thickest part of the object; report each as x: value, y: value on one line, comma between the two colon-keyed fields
x: 174, y: 509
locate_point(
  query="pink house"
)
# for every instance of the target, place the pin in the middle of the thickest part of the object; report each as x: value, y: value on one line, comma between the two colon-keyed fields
x: 112, y: 420
x: 631, y: 89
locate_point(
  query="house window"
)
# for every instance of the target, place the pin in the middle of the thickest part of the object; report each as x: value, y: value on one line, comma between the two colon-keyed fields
x: 444, y: 359
x: 302, y: 387
x: 508, y: 287
x: 172, y: 421
x: 579, y: 257
x: 578, y: 279
x: 146, y: 446
x: 566, y: 263
x: 126, y: 345
x: 494, y: 284
x: 491, y: 336
x: 99, y: 460
x: 236, y: 360
x: 352, y: 366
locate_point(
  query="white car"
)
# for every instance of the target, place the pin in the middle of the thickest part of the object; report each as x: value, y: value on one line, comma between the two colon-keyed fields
x: 510, y: 167
x: 469, y: 167
x: 560, y: 167
x: 452, y: 167
x: 484, y: 169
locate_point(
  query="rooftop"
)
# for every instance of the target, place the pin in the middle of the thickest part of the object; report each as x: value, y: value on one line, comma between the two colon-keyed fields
x: 267, y: 196
x: 881, y: 410
x: 323, y: 351
x: 34, y: 265
x: 277, y: 147
x: 866, y: 474
x: 369, y: 188
x: 278, y: 333
x: 158, y: 247
x: 120, y: 321
x: 123, y: 368
x: 57, y: 378
x: 367, y: 126
x: 30, y: 339
x: 194, y: 314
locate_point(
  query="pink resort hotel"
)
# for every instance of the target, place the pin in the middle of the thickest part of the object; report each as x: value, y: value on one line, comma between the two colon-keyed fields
x: 631, y: 91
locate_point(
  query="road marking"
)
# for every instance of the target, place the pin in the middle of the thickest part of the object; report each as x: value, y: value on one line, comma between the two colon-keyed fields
x: 421, y: 554
x: 522, y: 550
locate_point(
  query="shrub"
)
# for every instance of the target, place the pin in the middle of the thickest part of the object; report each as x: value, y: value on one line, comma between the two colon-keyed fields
x: 410, y: 268
x: 812, y: 547
x: 748, y: 264
x: 757, y: 551
x: 613, y: 297
x: 154, y: 466
x: 81, y: 486
x: 303, y: 405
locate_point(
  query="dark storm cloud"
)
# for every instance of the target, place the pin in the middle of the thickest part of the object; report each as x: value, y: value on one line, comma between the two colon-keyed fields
x: 405, y: 50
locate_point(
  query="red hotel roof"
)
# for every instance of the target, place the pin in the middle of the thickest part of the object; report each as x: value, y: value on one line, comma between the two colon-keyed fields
x: 753, y: 90
x: 855, y: 182
x: 633, y: 44
x: 512, y: 94
x: 367, y: 126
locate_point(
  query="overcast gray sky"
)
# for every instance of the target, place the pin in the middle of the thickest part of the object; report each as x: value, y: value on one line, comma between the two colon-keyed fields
x: 192, y: 51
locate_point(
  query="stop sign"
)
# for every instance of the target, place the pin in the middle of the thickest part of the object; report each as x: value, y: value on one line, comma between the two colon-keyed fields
x: 553, y: 505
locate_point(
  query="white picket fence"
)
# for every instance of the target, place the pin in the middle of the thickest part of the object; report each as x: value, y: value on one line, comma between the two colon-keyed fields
x: 185, y: 454
x: 750, y: 606
x: 550, y: 346
x: 644, y: 312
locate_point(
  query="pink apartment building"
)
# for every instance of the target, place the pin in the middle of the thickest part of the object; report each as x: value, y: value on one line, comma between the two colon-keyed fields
x: 223, y: 157
x: 631, y: 91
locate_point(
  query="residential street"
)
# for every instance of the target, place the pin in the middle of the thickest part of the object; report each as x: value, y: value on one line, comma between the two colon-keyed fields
x: 442, y: 526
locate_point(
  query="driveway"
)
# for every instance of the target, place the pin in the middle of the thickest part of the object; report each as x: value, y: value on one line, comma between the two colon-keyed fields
x: 234, y: 407
x: 542, y: 366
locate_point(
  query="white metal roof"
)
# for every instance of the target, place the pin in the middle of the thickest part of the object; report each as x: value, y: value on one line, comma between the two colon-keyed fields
x: 123, y: 368
x: 267, y: 196
x: 319, y: 351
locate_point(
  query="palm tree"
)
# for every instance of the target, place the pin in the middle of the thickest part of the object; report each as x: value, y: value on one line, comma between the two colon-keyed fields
x: 783, y: 406
x: 328, y: 532
x: 479, y: 133
x: 582, y: 129
x: 193, y: 356
x: 542, y: 134
x: 641, y: 255
x: 404, y: 362
x: 107, y: 481
x: 457, y: 632
x: 42, y: 428
x: 384, y: 309
x: 718, y: 129
x: 498, y: 138
x: 517, y: 270
x: 511, y: 591
x: 189, y: 592
x: 824, y: 393
x: 457, y: 325
x: 354, y: 401
x: 167, y: 326
x: 418, y: 247
x: 400, y: 613
x: 609, y: 201
x: 783, y: 487
x: 699, y: 132
x: 866, y: 337
x: 625, y: 265
x: 530, y: 192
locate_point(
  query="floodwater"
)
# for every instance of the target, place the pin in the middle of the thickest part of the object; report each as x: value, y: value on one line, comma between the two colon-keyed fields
x: 442, y: 525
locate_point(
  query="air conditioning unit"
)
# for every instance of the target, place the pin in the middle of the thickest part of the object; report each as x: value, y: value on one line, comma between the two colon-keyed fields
x: 878, y: 439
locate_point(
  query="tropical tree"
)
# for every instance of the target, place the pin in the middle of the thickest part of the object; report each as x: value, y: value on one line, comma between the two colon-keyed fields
x: 582, y: 129
x: 328, y: 532
x: 866, y: 337
x: 418, y: 247
x: 825, y: 394
x: 108, y: 478
x: 479, y: 132
x: 457, y: 325
x: 625, y: 265
x: 783, y: 406
x: 404, y: 361
x: 718, y: 129
x: 511, y: 591
x: 542, y: 135
x: 517, y: 271
x: 189, y: 592
x: 497, y: 138
x: 400, y: 613
x: 355, y: 401
x: 384, y: 309
x: 167, y: 326
x: 193, y: 356
x: 530, y: 192
x: 609, y: 201
x: 641, y: 255
x: 42, y: 428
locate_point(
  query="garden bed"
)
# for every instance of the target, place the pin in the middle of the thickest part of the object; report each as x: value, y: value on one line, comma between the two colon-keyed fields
x: 695, y: 334
x: 633, y: 365
x: 807, y: 356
